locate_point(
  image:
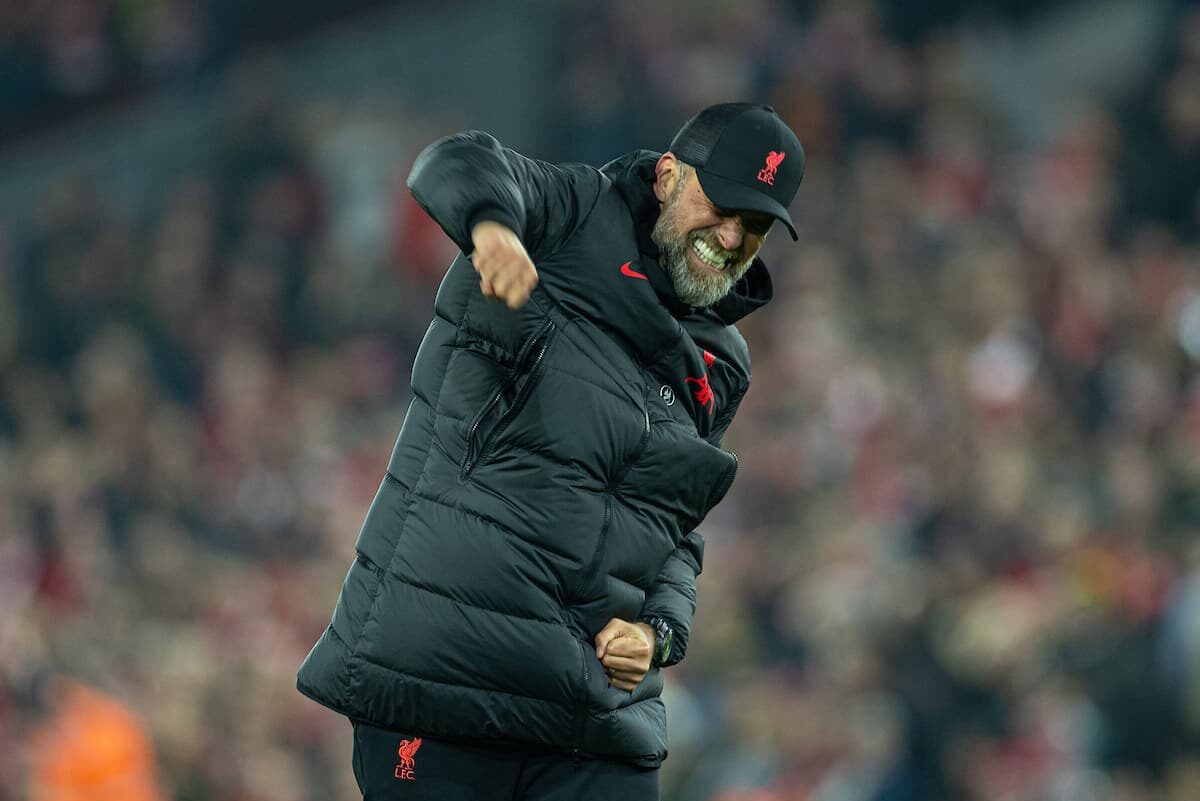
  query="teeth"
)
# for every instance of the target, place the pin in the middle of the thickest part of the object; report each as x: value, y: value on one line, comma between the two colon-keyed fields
x: 710, y: 256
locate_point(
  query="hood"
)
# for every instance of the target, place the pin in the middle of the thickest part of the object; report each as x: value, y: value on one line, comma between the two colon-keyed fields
x: 633, y: 176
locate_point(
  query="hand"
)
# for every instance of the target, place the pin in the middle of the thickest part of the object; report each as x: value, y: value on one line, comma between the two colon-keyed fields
x: 505, y: 270
x: 625, y: 649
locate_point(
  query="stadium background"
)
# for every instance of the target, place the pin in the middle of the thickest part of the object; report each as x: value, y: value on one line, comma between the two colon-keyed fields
x: 960, y: 560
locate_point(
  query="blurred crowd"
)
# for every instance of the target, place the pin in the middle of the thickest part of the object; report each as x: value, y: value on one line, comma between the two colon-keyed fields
x: 61, y: 57
x: 959, y: 563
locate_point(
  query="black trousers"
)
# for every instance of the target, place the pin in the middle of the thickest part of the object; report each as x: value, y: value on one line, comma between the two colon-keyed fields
x: 394, y: 766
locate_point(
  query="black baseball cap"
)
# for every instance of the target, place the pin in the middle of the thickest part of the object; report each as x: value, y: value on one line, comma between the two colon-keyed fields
x: 745, y: 156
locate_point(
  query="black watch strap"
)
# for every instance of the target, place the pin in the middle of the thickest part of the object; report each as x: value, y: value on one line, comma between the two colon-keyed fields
x: 664, y: 641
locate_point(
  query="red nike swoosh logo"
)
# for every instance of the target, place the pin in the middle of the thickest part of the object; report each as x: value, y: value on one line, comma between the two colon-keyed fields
x: 627, y: 270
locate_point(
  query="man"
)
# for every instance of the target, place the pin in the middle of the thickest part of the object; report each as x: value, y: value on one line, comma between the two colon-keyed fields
x: 529, y: 563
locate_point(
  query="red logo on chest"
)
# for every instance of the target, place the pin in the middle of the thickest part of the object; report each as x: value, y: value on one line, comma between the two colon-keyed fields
x: 632, y: 273
x: 703, y: 393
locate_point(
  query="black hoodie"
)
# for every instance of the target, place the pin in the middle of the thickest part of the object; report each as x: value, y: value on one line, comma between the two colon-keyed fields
x: 549, y: 475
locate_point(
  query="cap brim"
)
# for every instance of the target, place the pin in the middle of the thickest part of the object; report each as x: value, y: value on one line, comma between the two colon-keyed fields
x: 736, y: 196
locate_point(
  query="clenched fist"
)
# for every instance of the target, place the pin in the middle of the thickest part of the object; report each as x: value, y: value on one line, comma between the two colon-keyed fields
x: 505, y: 270
x: 625, y: 649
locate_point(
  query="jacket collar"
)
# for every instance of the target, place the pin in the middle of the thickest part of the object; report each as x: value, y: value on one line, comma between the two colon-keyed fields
x: 633, y: 176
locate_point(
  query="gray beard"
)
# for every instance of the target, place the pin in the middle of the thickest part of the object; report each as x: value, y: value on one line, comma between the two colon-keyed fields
x: 694, y: 289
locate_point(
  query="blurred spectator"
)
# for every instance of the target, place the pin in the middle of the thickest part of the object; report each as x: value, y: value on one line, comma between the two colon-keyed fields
x: 89, y: 747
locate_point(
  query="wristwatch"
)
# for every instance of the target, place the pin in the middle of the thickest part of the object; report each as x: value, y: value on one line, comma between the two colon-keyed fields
x: 664, y: 639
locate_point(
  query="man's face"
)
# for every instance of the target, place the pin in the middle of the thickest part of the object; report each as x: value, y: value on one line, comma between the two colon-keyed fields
x: 705, y: 249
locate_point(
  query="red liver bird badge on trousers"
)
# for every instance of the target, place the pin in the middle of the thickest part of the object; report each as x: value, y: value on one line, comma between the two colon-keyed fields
x: 407, y: 751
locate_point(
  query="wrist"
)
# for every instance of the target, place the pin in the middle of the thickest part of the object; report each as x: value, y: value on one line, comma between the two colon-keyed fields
x: 663, y: 638
x: 491, y: 216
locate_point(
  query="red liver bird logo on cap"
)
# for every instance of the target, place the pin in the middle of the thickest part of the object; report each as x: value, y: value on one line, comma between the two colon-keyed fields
x: 767, y: 173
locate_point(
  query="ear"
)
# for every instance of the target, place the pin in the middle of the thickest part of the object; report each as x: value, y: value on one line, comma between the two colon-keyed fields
x: 666, y: 174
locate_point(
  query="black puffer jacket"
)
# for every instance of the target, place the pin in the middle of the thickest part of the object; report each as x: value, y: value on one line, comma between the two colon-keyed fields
x: 549, y: 474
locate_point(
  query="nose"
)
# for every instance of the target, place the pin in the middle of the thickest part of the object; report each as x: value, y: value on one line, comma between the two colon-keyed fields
x: 729, y: 233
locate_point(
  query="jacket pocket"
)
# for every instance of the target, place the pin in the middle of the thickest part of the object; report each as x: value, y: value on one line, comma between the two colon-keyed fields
x: 599, y: 697
x: 489, y: 424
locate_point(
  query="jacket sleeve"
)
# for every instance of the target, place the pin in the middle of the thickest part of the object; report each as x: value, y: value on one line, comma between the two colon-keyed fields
x: 470, y: 177
x: 673, y: 597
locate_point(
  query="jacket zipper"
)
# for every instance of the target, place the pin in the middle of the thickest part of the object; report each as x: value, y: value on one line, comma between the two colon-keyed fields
x: 581, y: 715
x: 594, y: 562
x: 587, y: 673
x: 540, y: 340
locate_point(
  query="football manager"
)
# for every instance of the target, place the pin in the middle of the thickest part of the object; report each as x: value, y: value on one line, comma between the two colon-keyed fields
x: 528, y: 566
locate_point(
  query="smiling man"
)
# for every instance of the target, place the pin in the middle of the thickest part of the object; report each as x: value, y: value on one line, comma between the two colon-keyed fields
x: 704, y: 248
x: 528, y: 566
